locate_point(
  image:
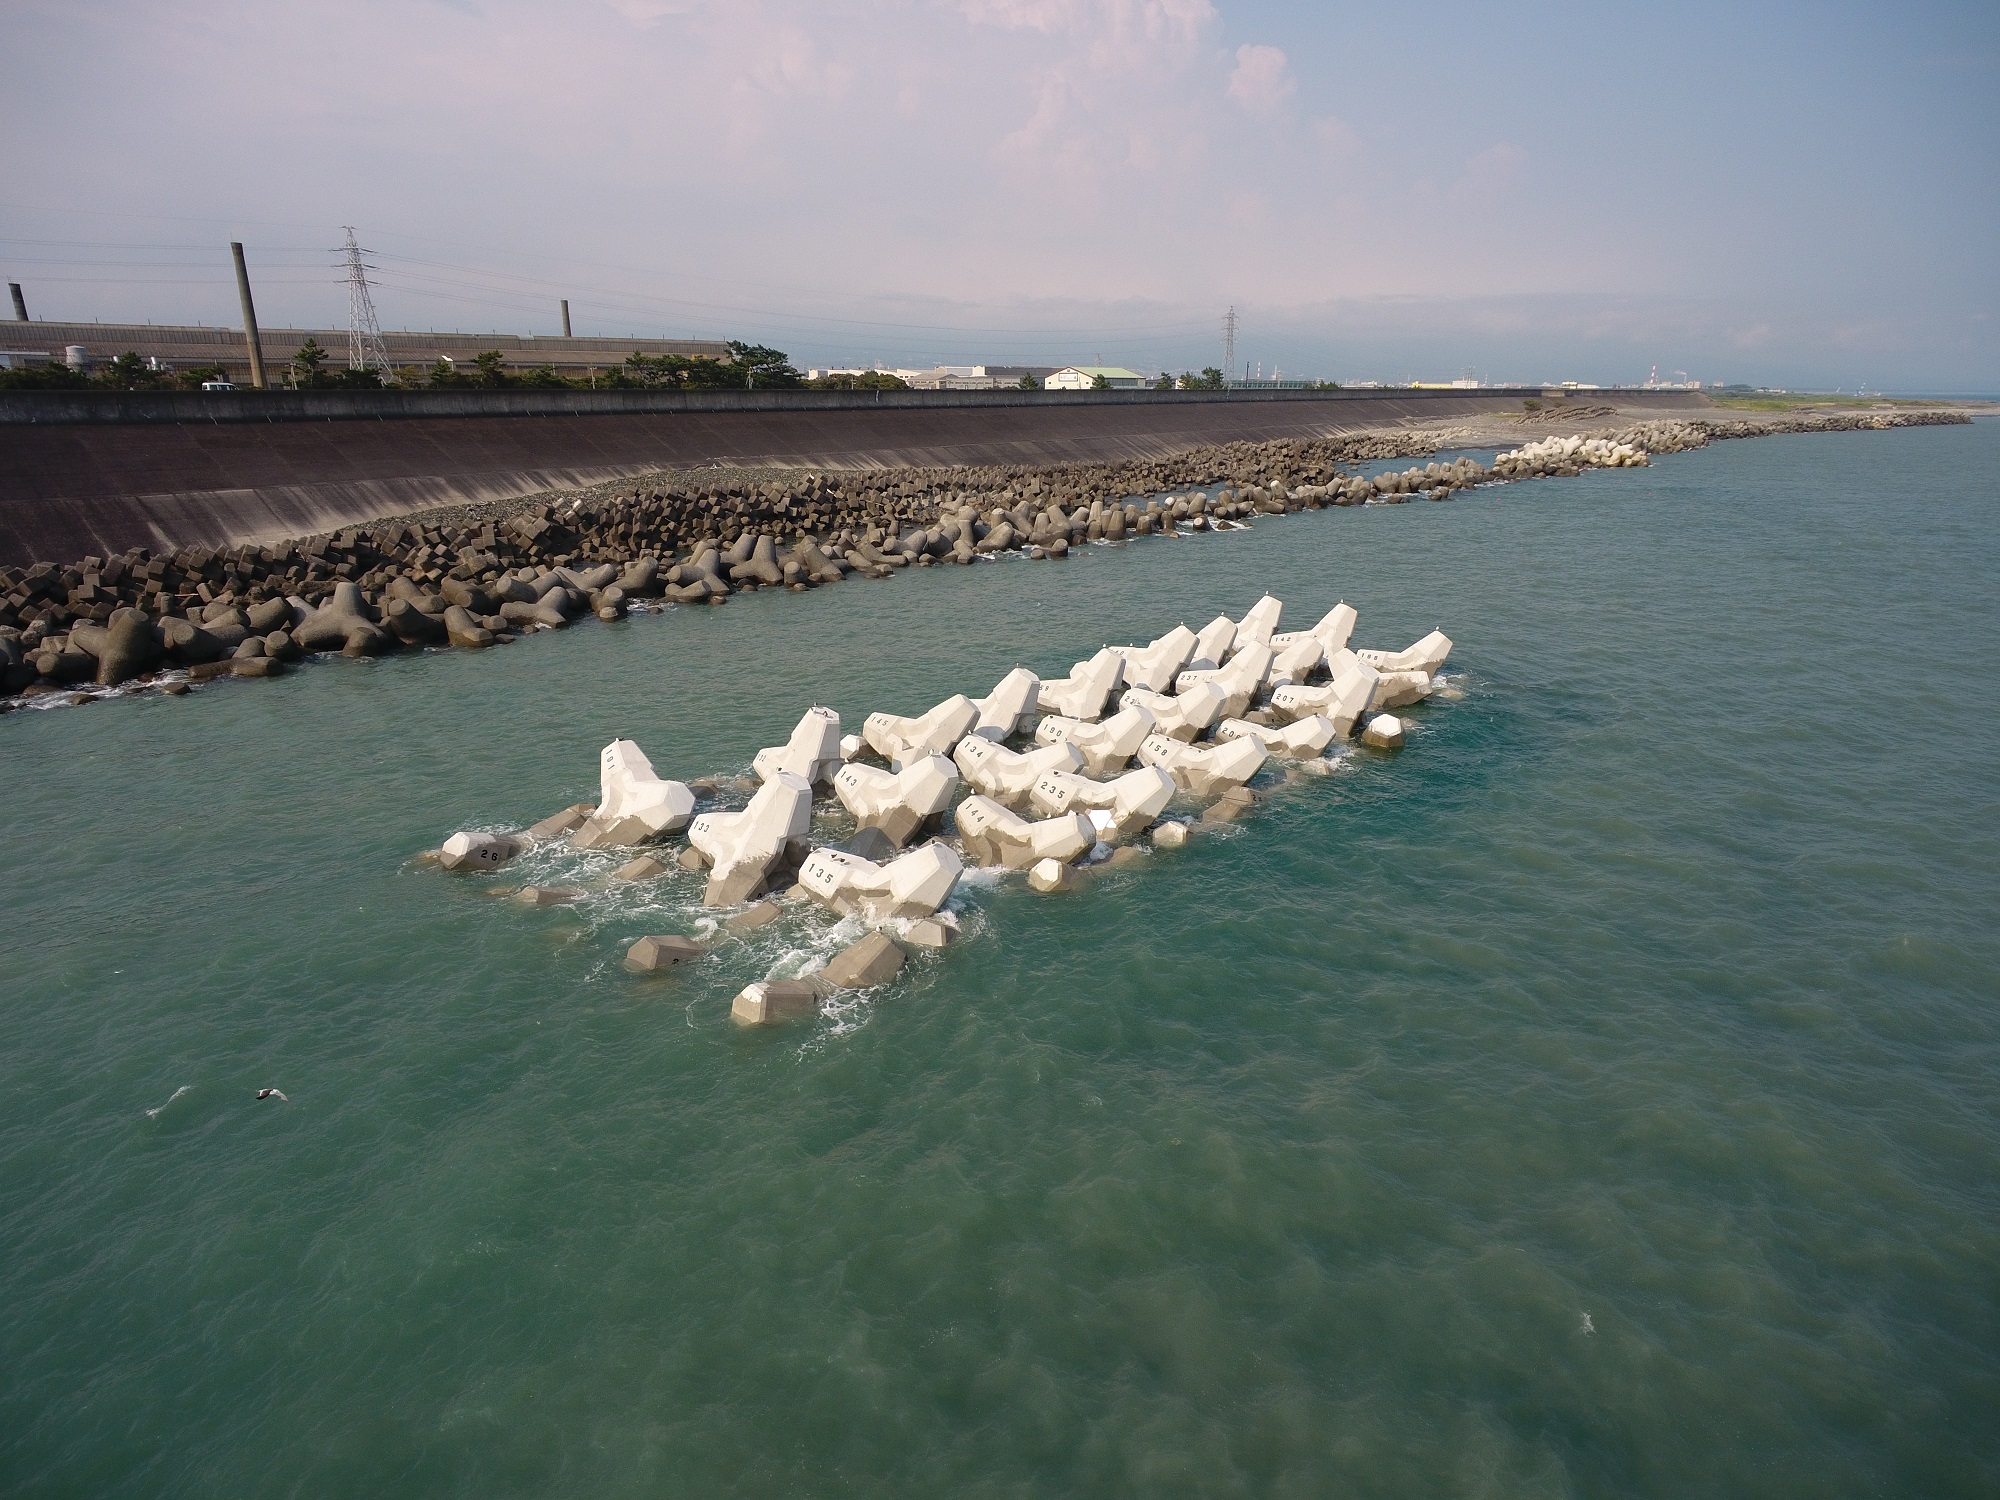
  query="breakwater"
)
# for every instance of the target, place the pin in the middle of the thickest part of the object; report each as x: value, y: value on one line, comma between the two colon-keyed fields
x: 107, y: 472
x: 197, y: 613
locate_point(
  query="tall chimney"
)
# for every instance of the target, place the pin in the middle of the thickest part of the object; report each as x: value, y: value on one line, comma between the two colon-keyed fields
x: 20, y: 302
x: 249, y: 316
x: 565, y: 302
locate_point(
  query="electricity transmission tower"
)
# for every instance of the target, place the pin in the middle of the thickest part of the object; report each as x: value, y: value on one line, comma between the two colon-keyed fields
x: 364, y: 334
x: 1229, y: 344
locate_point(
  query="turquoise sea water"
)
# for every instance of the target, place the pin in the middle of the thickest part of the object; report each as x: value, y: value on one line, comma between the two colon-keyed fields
x: 1597, y: 1098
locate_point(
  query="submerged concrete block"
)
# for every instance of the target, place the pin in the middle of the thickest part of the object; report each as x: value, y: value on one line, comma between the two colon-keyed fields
x: 995, y: 835
x: 744, y: 847
x: 1184, y: 715
x: 1155, y: 665
x: 556, y: 824
x: 1398, y: 689
x: 1106, y: 746
x: 930, y: 932
x: 634, y: 803
x: 478, y: 851
x: 915, y: 884
x: 762, y: 914
x: 1426, y: 656
x: 1012, y: 701
x: 1009, y: 775
x: 1089, y: 686
x: 545, y: 895
x: 645, y: 867
x: 1383, y: 732
x: 1117, y: 809
x: 898, y: 803
x: 1300, y: 738
x: 651, y: 954
x: 1170, y: 835
x: 897, y: 739
x: 770, y: 1001
x: 874, y: 960
x: 1343, y: 700
x: 1241, y: 680
x: 1205, y: 770
x: 813, y: 752
x: 1051, y: 875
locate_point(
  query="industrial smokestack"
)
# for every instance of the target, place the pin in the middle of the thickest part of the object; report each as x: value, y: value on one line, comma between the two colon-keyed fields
x: 20, y: 302
x: 249, y: 316
x: 565, y: 302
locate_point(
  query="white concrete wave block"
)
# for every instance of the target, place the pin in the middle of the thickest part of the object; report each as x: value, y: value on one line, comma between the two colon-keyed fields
x: 915, y: 884
x: 1183, y: 715
x: 1105, y: 746
x: 1300, y: 653
x: 1211, y: 644
x: 743, y: 846
x: 897, y: 739
x: 1155, y: 665
x: 1241, y: 680
x: 1002, y: 711
x: 995, y: 835
x: 1344, y: 700
x: 1426, y: 656
x: 1300, y: 738
x: 633, y: 802
x: 1089, y: 686
x: 1119, y: 807
x: 1205, y: 769
x: 897, y: 802
x: 1398, y: 689
x: 1258, y: 625
x: 478, y: 851
x: 1009, y: 775
x: 813, y: 751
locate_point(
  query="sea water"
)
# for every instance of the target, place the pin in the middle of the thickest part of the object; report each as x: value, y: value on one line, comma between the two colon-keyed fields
x: 1597, y: 1097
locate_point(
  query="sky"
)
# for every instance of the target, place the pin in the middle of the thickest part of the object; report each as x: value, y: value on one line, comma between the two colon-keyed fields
x: 1798, y: 195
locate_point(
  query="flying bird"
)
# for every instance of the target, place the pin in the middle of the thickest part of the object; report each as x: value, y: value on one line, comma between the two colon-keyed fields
x: 277, y: 1094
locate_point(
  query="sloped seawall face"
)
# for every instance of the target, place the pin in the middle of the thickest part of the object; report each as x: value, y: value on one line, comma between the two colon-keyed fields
x: 91, y: 476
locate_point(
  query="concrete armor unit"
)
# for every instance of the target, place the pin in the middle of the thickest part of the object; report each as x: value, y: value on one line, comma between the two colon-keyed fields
x: 1211, y: 644
x: 1258, y: 625
x: 1300, y: 653
x: 744, y: 847
x: 1089, y: 686
x: 633, y: 803
x: 1204, y: 769
x: 1426, y: 656
x: 1009, y: 775
x: 1154, y: 666
x: 915, y: 884
x: 1300, y: 739
x: 1012, y: 702
x: 1343, y: 700
x: 993, y: 835
x: 899, y: 803
x: 1117, y: 809
x: 938, y: 732
x: 1105, y: 747
x: 478, y: 851
x: 1241, y: 680
x: 1184, y: 715
x: 812, y: 752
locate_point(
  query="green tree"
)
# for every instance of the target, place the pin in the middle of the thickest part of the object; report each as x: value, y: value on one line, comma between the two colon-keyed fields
x: 309, y: 370
x: 491, y: 368
x: 52, y: 376
x: 1164, y: 383
x: 1099, y: 383
x: 128, y: 372
x: 762, y: 366
x: 193, y: 377
x: 867, y: 380
x: 445, y: 376
x: 1211, y: 379
x: 1028, y: 383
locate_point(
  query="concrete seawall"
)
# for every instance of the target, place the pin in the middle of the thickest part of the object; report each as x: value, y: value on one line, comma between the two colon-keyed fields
x: 100, y: 473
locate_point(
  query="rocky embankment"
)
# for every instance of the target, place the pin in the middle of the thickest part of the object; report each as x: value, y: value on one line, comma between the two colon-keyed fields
x: 190, y: 615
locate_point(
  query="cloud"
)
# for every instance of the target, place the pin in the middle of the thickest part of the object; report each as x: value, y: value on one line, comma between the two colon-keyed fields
x: 1262, y: 80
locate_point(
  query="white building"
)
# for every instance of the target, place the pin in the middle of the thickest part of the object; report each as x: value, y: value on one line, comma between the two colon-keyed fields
x: 1085, y: 377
